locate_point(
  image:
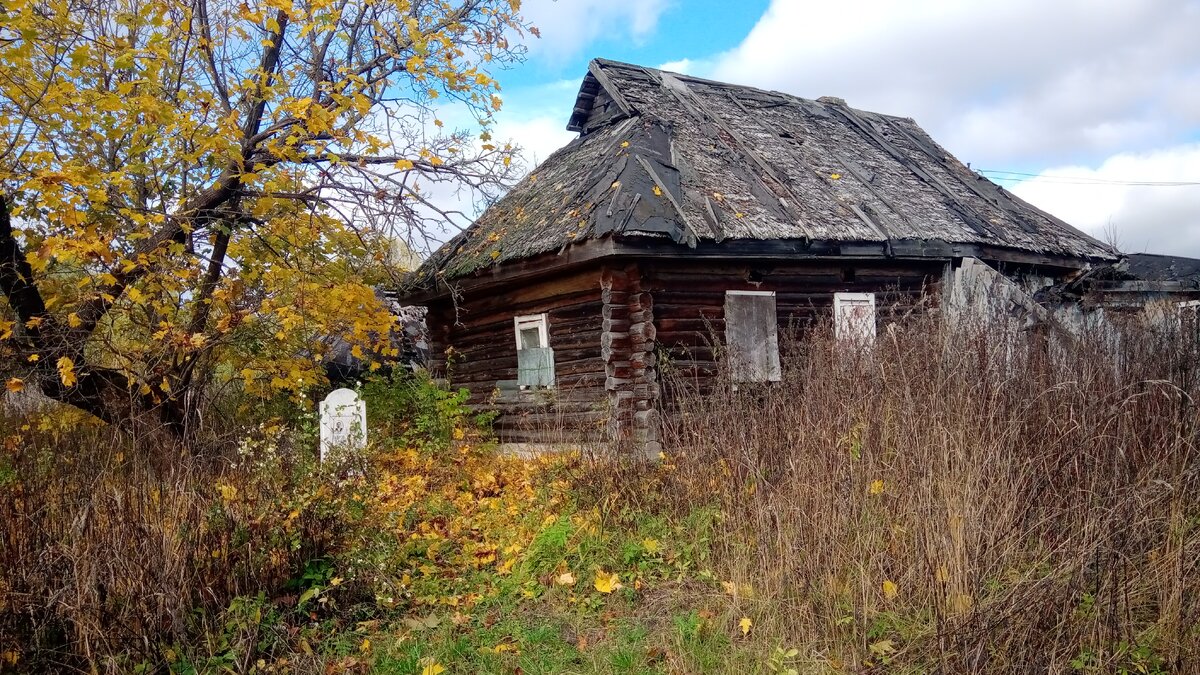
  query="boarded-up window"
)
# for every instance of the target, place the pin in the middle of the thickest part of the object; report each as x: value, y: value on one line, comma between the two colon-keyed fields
x: 854, y: 317
x: 752, y: 336
x: 535, y: 358
x: 1189, y: 319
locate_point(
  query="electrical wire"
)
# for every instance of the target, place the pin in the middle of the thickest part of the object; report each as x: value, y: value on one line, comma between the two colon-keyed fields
x: 1022, y: 176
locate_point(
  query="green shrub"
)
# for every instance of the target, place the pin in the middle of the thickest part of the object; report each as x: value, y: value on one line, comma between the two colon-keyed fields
x: 414, y: 410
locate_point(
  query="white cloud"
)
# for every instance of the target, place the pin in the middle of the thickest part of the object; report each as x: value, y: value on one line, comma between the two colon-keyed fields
x: 1091, y: 87
x: 526, y: 121
x: 998, y: 83
x: 568, y: 26
x: 537, y: 137
x: 535, y: 118
x: 1155, y: 219
x: 682, y: 66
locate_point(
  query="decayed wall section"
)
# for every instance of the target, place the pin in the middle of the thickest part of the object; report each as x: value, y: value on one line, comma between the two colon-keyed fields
x: 689, y: 300
x: 622, y: 331
x: 483, y: 355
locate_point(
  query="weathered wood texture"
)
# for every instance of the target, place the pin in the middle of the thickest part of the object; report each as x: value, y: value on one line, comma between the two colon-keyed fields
x: 483, y: 356
x: 627, y: 348
x: 611, y: 324
x: 705, y: 162
x: 689, y: 301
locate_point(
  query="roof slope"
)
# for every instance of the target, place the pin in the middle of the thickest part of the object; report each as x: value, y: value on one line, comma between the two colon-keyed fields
x: 694, y: 161
x: 1154, y: 267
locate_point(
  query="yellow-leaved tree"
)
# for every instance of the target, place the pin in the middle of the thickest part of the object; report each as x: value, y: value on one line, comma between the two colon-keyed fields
x: 198, y: 191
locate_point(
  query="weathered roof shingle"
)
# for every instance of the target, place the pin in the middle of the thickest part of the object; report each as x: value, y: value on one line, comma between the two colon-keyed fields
x: 1153, y: 267
x: 675, y: 157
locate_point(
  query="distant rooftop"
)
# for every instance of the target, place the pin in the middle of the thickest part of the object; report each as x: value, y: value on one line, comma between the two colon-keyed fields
x: 1154, y: 267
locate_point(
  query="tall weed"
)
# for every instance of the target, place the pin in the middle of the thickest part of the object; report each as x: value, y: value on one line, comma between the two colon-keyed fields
x: 961, y: 499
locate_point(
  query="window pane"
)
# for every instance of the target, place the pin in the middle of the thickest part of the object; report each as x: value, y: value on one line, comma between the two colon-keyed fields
x: 535, y: 367
x: 531, y: 338
x: 535, y: 358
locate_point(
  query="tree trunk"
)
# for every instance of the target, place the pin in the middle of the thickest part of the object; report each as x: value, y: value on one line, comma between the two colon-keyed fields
x: 41, y: 341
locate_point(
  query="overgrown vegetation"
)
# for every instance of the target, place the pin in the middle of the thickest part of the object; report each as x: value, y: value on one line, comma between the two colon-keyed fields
x: 948, y: 502
x: 959, y: 501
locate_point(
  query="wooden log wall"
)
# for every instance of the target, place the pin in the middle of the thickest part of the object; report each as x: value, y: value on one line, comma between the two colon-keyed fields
x: 628, y: 352
x: 610, y: 324
x: 483, y: 353
x: 689, y: 300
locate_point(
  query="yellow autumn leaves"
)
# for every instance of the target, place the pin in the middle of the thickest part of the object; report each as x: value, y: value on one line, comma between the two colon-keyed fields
x: 607, y: 582
x: 66, y: 371
x: 431, y: 667
x: 890, y: 588
x: 163, y: 105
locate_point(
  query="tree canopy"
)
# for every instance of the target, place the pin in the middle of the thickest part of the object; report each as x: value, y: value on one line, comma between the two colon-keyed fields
x: 201, y: 190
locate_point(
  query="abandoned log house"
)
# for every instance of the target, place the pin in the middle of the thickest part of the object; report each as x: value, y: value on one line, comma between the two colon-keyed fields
x: 687, y: 209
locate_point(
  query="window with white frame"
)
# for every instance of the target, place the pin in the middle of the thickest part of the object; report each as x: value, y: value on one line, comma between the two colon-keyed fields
x: 854, y: 317
x: 752, y: 336
x: 535, y: 358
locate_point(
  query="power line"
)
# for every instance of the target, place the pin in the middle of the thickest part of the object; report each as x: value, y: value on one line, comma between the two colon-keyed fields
x: 1081, y: 180
x: 1019, y: 175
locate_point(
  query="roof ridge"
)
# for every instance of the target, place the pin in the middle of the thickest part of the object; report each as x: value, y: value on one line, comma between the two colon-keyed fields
x: 600, y: 63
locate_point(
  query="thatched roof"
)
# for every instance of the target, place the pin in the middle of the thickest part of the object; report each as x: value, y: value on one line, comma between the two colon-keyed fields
x: 696, y: 162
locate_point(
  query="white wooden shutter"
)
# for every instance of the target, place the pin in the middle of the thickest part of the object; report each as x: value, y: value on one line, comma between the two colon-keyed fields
x: 854, y: 317
x: 752, y: 336
x: 1189, y: 319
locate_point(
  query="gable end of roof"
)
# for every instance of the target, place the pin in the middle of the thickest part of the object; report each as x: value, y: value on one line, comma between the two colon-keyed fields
x: 598, y: 85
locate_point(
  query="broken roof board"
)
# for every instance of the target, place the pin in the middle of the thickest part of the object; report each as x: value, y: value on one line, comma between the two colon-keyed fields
x: 676, y: 158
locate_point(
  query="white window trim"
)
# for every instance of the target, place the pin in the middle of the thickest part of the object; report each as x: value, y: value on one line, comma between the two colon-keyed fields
x: 1187, y: 311
x: 539, y: 321
x: 841, y: 325
x: 749, y: 292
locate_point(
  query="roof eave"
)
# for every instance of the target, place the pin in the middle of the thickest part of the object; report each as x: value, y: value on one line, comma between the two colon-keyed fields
x: 655, y: 247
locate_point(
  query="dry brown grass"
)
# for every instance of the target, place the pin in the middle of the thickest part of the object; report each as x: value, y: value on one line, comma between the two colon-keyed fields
x: 946, y: 502
x: 1037, y: 507
x: 116, y: 548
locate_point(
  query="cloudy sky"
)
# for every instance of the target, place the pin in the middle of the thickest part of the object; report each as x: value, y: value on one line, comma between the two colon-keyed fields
x: 1090, y: 108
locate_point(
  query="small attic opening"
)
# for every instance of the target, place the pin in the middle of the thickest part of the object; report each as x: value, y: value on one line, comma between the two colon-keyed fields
x: 597, y: 85
x: 583, y: 103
